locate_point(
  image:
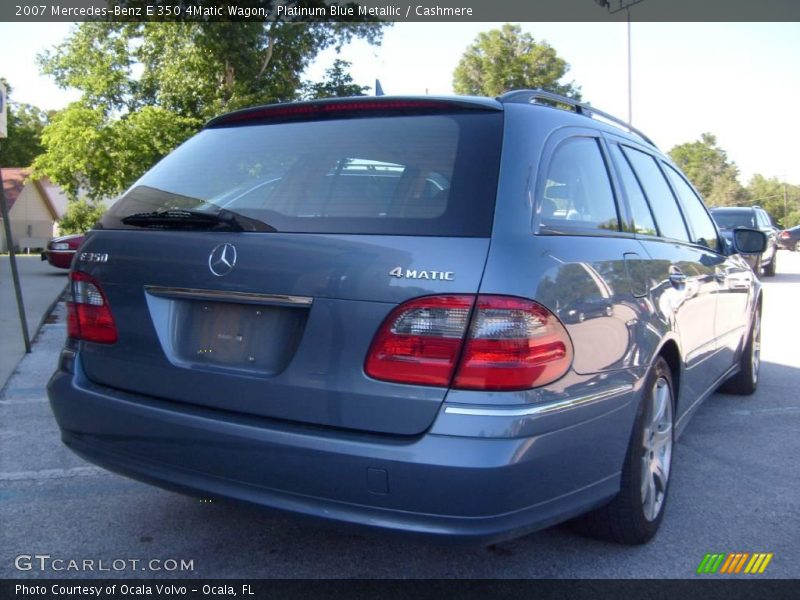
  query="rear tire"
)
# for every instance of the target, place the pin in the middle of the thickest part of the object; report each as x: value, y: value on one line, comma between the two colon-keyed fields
x: 769, y: 270
x: 745, y: 382
x: 635, y: 514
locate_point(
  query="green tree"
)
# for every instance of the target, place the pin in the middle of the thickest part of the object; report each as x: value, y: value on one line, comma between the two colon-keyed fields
x: 505, y: 59
x: 338, y: 83
x: 779, y: 198
x: 24, y: 141
x: 146, y: 87
x: 708, y: 168
x: 81, y: 216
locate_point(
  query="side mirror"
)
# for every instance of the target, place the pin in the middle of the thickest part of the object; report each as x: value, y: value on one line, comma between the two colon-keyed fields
x: 749, y: 241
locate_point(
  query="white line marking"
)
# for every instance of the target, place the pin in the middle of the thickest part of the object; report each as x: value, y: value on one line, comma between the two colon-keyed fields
x: 53, y: 474
x: 23, y: 401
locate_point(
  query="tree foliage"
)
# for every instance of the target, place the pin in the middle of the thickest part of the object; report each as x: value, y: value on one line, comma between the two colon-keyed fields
x: 25, y: 125
x: 708, y: 168
x: 779, y: 198
x: 505, y: 59
x: 337, y: 83
x: 717, y: 179
x: 81, y: 216
x: 146, y: 87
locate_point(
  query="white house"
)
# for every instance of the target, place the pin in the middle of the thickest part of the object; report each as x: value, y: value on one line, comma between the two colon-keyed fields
x: 34, y: 208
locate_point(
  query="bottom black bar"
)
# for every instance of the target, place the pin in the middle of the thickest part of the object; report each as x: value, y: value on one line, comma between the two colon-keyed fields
x: 401, y: 589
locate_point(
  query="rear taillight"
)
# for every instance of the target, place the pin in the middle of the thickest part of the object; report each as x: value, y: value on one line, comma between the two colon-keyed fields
x: 420, y: 342
x: 483, y: 343
x: 513, y: 344
x: 88, y: 314
x: 785, y: 235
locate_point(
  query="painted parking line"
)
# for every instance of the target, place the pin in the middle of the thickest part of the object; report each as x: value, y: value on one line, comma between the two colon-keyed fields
x: 53, y: 474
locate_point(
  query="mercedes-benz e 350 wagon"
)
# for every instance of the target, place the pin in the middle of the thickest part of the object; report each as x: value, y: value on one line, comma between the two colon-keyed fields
x: 465, y: 317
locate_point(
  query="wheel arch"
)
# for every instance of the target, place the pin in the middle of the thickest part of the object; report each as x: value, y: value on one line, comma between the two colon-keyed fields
x: 672, y: 354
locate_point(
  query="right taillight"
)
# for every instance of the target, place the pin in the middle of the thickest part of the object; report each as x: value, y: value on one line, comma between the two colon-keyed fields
x: 785, y: 234
x: 468, y: 342
x: 89, y: 317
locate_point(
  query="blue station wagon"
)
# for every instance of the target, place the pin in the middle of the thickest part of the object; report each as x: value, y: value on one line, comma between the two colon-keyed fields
x: 463, y: 317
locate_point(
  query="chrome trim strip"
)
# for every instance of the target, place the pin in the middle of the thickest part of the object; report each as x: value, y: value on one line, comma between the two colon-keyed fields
x: 221, y: 296
x: 540, y: 409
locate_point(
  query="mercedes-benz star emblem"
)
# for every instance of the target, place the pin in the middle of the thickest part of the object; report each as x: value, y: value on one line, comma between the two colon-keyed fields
x: 222, y: 259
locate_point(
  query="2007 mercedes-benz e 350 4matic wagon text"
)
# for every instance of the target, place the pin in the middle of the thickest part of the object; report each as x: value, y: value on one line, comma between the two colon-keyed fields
x: 466, y: 317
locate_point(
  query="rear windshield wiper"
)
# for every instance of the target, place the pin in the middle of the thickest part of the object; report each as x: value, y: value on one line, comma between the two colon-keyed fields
x: 181, y: 218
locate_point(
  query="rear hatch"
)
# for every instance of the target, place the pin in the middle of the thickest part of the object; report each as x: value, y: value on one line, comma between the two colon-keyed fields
x: 250, y: 269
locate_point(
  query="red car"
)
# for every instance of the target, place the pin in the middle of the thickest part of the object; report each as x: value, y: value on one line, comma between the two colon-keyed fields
x: 60, y: 250
x: 789, y: 239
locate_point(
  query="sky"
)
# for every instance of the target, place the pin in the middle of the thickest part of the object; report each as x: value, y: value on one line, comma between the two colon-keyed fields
x: 739, y: 81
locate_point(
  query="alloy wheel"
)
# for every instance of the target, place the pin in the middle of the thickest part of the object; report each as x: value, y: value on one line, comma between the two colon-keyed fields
x: 657, y: 449
x: 755, y: 348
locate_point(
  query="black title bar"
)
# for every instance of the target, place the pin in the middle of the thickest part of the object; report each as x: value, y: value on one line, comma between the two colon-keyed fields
x: 399, y: 10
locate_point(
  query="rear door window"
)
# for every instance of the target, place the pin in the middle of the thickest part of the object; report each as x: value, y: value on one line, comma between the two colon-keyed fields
x: 577, y: 191
x: 432, y: 174
x: 659, y: 195
x: 642, y: 217
x: 703, y: 229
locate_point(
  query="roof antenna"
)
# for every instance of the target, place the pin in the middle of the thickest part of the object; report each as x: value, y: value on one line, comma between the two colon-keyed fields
x: 378, y: 88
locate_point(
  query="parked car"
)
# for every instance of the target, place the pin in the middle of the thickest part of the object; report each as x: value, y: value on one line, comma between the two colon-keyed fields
x: 60, y: 250
x: 591, y: 306
x: 729, y: 218
x: 347, y: 309
x: 789, y: 239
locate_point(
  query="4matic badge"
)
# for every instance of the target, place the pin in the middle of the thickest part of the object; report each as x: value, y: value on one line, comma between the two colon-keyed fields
x: 402, y: 273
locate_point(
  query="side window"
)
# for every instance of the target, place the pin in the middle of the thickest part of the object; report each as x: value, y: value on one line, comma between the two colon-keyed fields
x: 665, y: 209
x: 705, y: 234
x: 642, y: 217
x: 577, y: 193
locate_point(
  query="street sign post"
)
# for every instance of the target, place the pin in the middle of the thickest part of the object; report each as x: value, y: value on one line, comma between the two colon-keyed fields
x: 3, y: 112
x: 12, y: 259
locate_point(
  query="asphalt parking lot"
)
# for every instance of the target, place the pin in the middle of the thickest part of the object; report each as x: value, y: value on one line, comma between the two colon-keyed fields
x: 735, y: 488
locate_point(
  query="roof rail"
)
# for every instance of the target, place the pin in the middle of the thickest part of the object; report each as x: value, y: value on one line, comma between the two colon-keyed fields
x: 581, y: 108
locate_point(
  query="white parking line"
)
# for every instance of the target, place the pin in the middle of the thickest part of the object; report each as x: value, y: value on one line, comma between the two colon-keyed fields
x: 23, y: 401
x: 53, y: 474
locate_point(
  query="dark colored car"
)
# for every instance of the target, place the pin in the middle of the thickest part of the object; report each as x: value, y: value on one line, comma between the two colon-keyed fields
x: 60, y: 250
x: 754, y: 217
x: 347, y: 309
x: 789, y: 239
x: 589, y: 307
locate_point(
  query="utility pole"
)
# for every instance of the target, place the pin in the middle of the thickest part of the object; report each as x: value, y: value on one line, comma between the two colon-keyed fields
x: 785, y: 209
x: 626, y: 6
x: 630, y: 72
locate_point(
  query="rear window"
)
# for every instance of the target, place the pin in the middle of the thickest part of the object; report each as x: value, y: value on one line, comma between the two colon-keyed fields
x: 403, y: 175
x: 734, y: 219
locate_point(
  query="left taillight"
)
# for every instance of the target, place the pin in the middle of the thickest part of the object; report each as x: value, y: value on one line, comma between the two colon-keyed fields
x: 89, y: 316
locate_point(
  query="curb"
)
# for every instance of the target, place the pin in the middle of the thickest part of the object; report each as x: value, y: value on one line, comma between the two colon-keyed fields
x: 45, y: 315
x: 48, y: 312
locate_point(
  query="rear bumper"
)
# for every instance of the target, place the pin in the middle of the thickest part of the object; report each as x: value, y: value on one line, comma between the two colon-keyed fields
x: 59, y: 258
x: 475, y: 489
